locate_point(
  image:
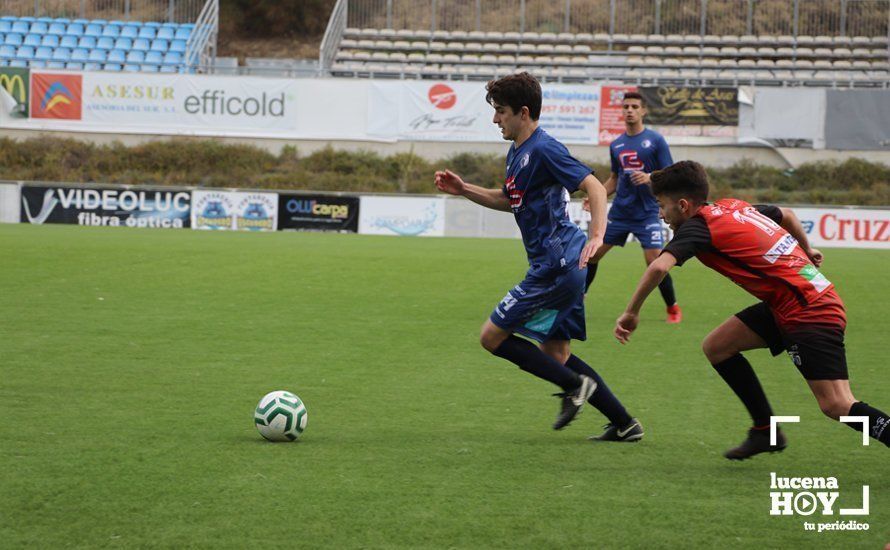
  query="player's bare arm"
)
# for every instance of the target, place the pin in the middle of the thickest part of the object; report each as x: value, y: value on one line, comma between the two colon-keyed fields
x: 654, y: 274
x: 449, y: 182
x: 596, y: 201
x: 791, y: 224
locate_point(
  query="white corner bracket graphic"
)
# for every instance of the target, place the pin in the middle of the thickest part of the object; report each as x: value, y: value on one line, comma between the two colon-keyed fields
x: 858, y: 511
x: 774, y: 420
x: 859, y: 420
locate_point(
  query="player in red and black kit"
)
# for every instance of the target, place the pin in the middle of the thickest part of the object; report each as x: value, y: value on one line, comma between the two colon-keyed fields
x: 763, y: 249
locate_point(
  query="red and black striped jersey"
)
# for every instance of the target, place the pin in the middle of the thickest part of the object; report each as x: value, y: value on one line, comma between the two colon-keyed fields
x: 746, y: 244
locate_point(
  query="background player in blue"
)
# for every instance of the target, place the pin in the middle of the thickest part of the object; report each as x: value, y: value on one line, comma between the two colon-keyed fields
x: 548, y: 305
x: 638, y: 152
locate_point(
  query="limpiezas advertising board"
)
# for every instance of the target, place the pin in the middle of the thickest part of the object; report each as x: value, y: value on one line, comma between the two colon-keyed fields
x: 235, y: 210
x: 115, y: 207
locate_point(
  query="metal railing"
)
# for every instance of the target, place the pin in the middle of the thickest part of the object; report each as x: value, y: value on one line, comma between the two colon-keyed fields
x: 200, y: 49
x: 695, y: 17
x: 169, y: 11
x: 334, y: 32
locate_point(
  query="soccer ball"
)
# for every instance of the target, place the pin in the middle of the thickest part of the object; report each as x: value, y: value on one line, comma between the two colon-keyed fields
x: 280, y: 416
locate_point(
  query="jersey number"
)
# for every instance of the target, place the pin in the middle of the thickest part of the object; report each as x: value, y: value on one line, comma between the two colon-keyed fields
x: 758, y: 220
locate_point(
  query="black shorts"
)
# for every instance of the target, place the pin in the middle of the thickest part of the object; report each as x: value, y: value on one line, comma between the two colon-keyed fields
x: 816, y: 350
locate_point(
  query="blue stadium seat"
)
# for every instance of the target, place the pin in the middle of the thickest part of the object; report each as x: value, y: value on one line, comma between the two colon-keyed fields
x: 18, y: 63
x: 130, y: 68
x: 92, y: 66
x: 55, y: 64
x: 102, y: 22
x: 7, y: 51
x: 147, y: 32
x: 153, y: 24
x: 182, y: 33
x: 68, y: 41
x: 105, y: 42
x: 45, y: 19
x: 159, y: 45
x: 118, y: 22
x: 80, y: 55
x: 167, y: 33
x: 57, y: 29
x: 25, y: 52
x: 75, y: 28
x: 168, y: 69
x: 8, y: 18
x: 13, y: 38
x: 97, y: 56
x: 130, y: 31
x: 43, y: 53
x: 5, y: 26
x: 116, y: 56
x: 88, y: 42
x: 111, y: 30
x: 93, y: 30
x: 32, y: 40
x: 50, y: 40
x: 135, y: 56
x: 37, y: 64
x: 123, y: 44
x: 63, y: 20
x: 21, y: 27
x: 39, y: 27
x: 150, y: 68
x: 177, y: 46
x: 81, y: 22
x: 74, y: 66
x: 113, y: 67
x: 141, y: 44
x: 28, y: 19
x: 61, y: 54
x: 154, y: 58
x: 172, y: 58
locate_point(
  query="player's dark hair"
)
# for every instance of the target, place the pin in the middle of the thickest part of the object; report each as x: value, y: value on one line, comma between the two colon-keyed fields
x: 516, y: 91
x: 686, y: 179
x: 634, y: 95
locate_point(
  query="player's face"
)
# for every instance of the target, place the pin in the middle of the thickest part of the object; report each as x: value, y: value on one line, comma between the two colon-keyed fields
x: 673, y: 212
x: 633, y: 110
x: 508, y: 121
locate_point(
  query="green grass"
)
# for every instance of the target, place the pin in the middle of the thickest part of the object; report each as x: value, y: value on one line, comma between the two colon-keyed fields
x: 131, y: 361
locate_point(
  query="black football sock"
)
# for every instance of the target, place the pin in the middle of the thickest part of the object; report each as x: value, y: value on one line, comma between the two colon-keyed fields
x: 603, y: 398
x: 591, y: 275
x: 531, y: 359
x: 878, y: 421
x: 666, y: 286
x: 738, y: 374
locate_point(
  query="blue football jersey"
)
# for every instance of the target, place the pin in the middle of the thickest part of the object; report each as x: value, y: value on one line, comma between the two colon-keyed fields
x: 540, y: 175
x: 646, y: 152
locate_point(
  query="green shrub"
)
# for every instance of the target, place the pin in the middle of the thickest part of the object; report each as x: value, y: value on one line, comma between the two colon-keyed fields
x: 209, y: 163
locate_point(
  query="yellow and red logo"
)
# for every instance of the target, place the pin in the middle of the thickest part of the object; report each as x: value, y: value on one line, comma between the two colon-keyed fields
x: 56, y: 96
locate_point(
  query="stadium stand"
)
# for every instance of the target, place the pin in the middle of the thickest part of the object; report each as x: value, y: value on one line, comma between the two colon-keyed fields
x: 701, y: 54
x: 111, y: 45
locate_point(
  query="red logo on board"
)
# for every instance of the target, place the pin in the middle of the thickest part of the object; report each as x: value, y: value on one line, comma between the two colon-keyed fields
x: 56, y: 96
x: 442, y: 96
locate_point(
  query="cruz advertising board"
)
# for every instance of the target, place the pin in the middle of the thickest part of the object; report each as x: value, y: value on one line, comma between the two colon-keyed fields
x: 231, y: 210
x: 115, y: 207
x: 318, y: 212
x: 847, y: 228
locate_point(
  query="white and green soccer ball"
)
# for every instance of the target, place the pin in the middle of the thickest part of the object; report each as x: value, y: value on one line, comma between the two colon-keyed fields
x: 280, y: 416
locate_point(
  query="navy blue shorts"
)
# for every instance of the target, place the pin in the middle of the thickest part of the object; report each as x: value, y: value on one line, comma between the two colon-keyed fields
x: 648, y: 232
x: 545, y: 309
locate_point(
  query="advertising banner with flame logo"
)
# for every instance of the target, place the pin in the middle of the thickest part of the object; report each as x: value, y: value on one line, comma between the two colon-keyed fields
x: 57, y: 96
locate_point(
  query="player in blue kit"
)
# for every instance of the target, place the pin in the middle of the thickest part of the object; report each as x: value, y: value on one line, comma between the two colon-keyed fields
x: 548, y: 305
x: 635, y: 154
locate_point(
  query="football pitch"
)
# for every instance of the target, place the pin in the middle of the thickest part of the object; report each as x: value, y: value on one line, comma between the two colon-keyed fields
x: 131, y: 362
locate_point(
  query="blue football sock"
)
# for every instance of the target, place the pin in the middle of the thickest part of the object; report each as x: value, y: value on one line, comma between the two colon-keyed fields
x: 603, y: 398
x: 531, y: 359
